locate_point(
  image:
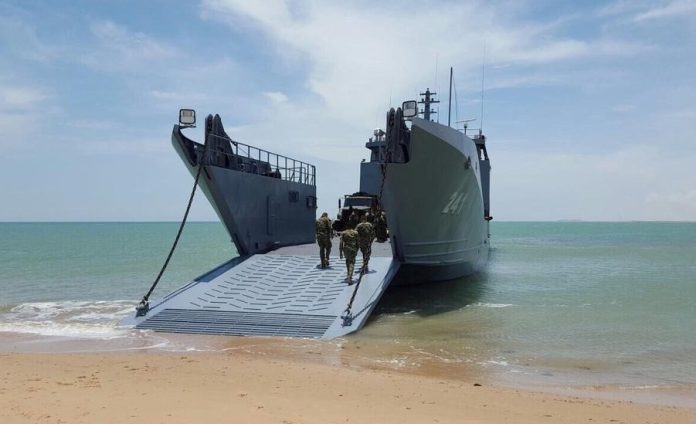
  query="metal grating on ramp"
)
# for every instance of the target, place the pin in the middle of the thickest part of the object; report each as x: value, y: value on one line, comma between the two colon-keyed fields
x: 231, y: 323
x: 271, y: 295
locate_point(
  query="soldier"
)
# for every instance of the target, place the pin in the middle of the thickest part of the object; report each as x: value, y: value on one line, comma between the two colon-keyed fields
x: 349, y: 248
x: 324, y: 233
x: 381, y: 228
x: 352, y: 220
x: 366, y: 233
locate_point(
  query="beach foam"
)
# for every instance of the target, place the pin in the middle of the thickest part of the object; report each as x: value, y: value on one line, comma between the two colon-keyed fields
x: 72, y: 319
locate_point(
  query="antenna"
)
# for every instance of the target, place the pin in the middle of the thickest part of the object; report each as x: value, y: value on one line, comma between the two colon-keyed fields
x: 437, y: 86
x: 456, y: 101
x: 449, y: 111
x: 483, y: 79
x: 466, y: 123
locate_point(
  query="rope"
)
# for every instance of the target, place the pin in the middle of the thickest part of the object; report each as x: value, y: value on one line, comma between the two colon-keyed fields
x: 347, y: 315
x: 144, y: 305
x: 383, y: 168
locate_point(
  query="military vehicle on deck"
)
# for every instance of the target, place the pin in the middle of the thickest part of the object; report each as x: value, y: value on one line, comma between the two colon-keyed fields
x: 359, y: 202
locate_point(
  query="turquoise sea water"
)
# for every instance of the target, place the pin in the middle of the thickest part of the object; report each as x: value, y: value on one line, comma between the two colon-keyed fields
x: 566, y: 303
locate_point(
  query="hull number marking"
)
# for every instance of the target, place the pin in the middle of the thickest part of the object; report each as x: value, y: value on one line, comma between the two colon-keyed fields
x: 455, y: 204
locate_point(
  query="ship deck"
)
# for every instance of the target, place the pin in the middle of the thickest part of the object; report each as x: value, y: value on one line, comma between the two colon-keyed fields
x: 280, y: 293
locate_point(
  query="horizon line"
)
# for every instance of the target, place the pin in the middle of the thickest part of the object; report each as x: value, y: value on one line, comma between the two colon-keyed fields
x: 210, y: 222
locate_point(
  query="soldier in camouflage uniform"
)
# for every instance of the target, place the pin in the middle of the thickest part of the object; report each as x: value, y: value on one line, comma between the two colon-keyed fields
x: 381, y: 228
x: 324, y: 233
x: 352, y: 220
x: 349, y: 248
x: 366, y: 233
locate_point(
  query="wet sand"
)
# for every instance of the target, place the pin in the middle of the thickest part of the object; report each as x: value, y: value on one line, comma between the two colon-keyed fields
x: 262, y: 380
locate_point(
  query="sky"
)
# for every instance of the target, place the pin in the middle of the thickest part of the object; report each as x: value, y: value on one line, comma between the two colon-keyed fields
x: 589, y: 107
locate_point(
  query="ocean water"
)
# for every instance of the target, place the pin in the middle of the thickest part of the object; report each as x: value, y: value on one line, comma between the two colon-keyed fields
x: 80, y: 279
x: 563, y: 304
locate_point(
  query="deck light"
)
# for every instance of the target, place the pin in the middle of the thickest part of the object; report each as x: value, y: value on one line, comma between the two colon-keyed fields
x: 187, y: 117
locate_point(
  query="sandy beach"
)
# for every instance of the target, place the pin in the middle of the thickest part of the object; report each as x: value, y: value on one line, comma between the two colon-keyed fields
x: 232, y: 386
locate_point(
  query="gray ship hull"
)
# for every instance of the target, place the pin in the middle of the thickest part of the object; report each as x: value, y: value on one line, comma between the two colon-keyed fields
x: 260, y: 212
x: 434, y: 205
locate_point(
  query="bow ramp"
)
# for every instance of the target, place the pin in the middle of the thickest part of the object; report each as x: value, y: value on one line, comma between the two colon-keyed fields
x: 272, y: 295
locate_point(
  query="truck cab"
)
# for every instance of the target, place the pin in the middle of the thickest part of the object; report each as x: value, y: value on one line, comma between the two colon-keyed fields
x: 360, y: 203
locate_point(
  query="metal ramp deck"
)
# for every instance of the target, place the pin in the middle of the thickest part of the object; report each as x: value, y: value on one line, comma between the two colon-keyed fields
x: 271, y: 294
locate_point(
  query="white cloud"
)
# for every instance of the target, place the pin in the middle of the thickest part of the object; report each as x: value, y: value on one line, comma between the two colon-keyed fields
x: 641, y: 10
x: 370, y: 53
x: 276, y: 97
x: 20, y: 98
x: 672, y: 9
x: 621, y: 7
x: 20, y: 114
x: 358, y: 58
x: 675, y: 199
x: 641, y: 182
x: 120, y: 49
x: 357, y: 62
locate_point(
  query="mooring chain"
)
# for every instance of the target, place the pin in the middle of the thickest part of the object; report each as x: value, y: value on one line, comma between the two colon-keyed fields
x: 383, y: 167
x: 347, y: 314
x: 144, y: 305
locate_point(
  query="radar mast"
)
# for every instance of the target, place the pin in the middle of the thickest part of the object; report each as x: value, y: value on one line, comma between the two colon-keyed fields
x: 426, y: 101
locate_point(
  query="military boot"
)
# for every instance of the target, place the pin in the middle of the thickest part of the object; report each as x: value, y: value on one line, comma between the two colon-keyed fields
x: 350, y: 273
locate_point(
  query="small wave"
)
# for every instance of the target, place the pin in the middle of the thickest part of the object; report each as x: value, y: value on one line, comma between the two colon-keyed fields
x: 490, y: 305
x: 645, y: 387
x: 73, y: 319
x: 61, y: 330
x: 501, y: 363
x: 394, y: 362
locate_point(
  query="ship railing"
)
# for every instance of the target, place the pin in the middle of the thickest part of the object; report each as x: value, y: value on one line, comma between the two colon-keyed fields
x: 243, y: 157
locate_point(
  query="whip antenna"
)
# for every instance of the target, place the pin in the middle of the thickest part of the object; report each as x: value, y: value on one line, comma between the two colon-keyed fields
x: 449, y: 111
x: 483, y: 79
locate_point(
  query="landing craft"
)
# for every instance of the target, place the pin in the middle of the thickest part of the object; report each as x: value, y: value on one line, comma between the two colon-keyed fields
x: 432, y: 181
